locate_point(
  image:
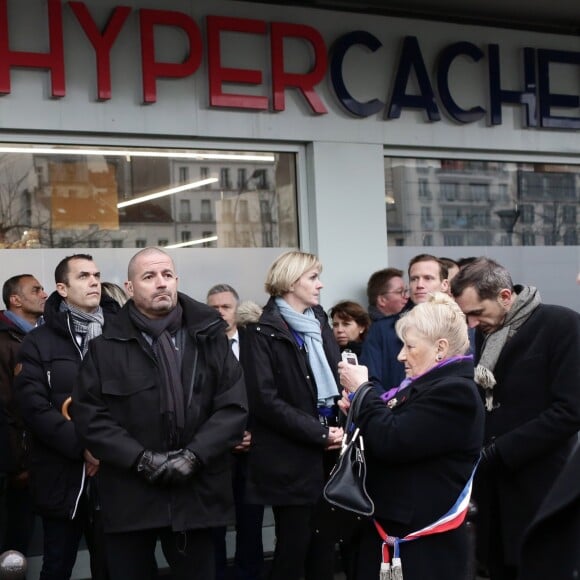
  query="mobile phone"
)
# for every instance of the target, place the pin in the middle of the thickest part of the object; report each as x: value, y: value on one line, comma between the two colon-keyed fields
x: 349, y: 357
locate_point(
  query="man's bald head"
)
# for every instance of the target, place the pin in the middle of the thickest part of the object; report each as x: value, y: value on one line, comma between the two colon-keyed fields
x: 144, y: 253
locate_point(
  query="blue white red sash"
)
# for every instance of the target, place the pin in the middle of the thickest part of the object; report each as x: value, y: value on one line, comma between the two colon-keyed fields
x: 449, y: 521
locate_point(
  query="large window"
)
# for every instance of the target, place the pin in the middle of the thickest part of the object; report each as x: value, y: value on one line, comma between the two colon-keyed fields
x: 54, y: 197
x: 480, y: 203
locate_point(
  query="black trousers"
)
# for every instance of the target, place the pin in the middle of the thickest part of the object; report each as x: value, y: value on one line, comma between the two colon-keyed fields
x: 130, y: 555
x: 298, y: 552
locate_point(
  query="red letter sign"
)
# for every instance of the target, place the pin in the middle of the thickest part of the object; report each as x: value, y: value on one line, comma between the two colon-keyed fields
x: 303, y: 82
x: 102, y: 43
x: 153, y: 69
x: 52, y: 60
x: 219, y: 75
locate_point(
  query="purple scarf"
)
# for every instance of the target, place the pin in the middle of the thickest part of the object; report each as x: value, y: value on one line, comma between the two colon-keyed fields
x: 406, y: 382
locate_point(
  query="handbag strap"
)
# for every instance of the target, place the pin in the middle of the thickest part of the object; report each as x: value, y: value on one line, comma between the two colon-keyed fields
x: 356, y: 405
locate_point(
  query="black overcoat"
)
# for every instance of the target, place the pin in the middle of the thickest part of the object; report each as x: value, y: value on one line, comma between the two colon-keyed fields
x: 551, y: 547
x: 286, y: 458
x: 420, y: 454
x: 534, y: 424
x: 116, y: 411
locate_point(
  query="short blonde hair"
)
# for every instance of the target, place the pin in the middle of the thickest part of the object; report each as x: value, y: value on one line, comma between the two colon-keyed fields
x: 439, y: 317
x: 287, y: 269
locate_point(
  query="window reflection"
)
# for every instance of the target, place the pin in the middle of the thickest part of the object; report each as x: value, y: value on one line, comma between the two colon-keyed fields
x: 450, y: 202
x: 53, y: 197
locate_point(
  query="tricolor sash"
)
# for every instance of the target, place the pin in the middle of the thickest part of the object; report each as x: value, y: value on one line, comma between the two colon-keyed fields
x: 449, y: 521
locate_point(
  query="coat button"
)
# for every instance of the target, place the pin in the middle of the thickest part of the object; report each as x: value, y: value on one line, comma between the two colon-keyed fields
x: 307, y: 376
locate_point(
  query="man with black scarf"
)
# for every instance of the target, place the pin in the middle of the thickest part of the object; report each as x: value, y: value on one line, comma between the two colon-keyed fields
x: 161, y: 401
x: 528, y: 371
x: 61, y: 468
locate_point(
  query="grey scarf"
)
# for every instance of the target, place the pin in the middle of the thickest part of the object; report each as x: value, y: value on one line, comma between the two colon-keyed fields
x: 526, y: 302
x: 88, y: 324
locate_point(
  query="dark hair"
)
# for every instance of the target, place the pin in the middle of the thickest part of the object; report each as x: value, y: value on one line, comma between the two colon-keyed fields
x: 449, y: 263
x: 11, y: 287
x: 61, y: 271
x: 347, y: 310
x: 219, y: 288
x: 462, y: 262
x: 379, y: 283
x: 486, y: 276
x: 443, y: 271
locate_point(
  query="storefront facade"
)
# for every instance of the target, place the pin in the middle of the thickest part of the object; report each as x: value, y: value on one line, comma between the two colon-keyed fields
x: 364, y: 139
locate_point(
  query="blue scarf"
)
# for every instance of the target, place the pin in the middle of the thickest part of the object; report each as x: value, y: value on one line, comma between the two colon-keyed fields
x: 24, y: 325
x: 309, y: 328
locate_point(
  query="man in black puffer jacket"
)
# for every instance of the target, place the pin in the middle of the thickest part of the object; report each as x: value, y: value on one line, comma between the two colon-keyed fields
x: 49, y: 360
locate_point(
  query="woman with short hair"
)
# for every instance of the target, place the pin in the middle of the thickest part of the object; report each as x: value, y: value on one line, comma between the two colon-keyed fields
x: 350, y: 324
x: 292, y: 383
x: 422, y: 441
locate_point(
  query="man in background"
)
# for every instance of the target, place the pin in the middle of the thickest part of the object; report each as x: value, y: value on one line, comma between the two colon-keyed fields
x: 249, y: 551
x: 382, y: 345
x: 24, y: 298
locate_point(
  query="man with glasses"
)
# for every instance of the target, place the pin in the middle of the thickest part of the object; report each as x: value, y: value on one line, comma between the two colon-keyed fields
x: 382, y: 345
x: 386, y: 293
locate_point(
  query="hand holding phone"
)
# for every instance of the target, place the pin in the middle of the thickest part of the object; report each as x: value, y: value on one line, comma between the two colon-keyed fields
x: 349, y: 357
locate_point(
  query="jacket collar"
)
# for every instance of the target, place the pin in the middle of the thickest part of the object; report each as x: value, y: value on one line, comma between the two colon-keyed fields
x: 199, y: 319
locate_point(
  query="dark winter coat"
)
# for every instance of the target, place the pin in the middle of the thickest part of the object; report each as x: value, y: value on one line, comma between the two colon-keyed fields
x: 379, y: 353
x: 15, y: 450
x: 49, y: 361
x: 116, y: 412
x: 534, y: 424
x: 420, y: 454
x: 288, y: 441
x: 551, y: 546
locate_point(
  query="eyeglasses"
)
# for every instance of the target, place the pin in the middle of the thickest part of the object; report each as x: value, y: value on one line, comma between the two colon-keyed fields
x: 400, y: 291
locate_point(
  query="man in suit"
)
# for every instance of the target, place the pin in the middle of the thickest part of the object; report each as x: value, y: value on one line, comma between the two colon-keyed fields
x: 249, y: 553
x: 528, y: 371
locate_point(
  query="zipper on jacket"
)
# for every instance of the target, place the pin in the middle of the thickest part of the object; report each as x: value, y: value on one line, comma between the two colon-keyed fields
x: 48, y: 380
x: 74, y: 338
x: 83, y: 464
x: 74, y: 512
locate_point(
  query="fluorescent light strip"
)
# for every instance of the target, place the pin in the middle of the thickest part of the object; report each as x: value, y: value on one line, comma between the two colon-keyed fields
x: 138, y: 153
x: 193, y: 242
x: 165, y: 192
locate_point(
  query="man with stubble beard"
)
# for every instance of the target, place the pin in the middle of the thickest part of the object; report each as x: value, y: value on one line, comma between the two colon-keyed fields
x: 161, y: 401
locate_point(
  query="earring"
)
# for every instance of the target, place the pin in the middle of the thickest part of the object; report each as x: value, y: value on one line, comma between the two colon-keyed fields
x: 438, y: 357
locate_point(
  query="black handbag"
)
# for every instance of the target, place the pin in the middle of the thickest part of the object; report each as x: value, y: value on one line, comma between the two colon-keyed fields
x: 345, y: 504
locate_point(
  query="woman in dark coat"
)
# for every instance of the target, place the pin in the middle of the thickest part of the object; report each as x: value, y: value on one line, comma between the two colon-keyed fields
x: 350, y: 324
x: 292, y: 383
x: 422, y: 441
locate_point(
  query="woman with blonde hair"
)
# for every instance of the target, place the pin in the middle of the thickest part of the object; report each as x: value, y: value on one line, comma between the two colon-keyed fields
x: 422, y: 441
x: 292, y: 383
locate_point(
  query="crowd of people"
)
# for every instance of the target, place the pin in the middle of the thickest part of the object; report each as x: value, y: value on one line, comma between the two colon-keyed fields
x: 141, y: 415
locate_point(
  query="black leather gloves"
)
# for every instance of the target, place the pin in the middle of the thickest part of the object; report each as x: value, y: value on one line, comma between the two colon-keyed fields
x: 170, y: 468
x: 151, y: 465
x: 181, y: 466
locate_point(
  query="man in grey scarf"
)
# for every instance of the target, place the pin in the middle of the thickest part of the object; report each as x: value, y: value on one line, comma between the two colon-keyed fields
x: 528, y: 369
x: 61, y: 467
